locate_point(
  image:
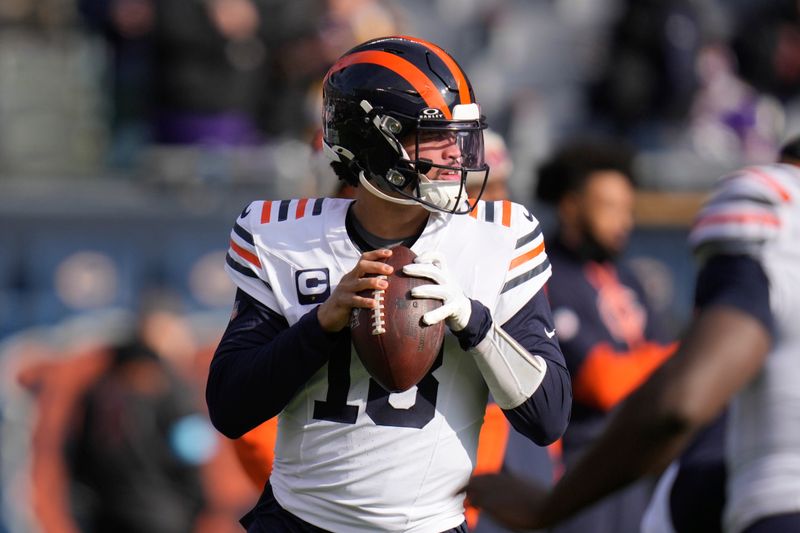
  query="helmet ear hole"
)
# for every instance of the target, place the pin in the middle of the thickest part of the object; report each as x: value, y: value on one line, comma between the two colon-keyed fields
x: 396, y: 178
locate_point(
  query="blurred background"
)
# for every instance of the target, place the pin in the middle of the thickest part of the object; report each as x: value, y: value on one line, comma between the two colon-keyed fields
x: 133, y: 132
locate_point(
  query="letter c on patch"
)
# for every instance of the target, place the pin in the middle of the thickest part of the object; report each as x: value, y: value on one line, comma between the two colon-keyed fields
x: 313, y: 285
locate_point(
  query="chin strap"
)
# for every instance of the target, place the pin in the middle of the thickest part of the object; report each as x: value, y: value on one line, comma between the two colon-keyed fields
x: 363, y: 181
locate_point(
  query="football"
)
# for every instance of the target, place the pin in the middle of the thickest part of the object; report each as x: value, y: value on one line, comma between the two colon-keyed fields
x: 393, y: 343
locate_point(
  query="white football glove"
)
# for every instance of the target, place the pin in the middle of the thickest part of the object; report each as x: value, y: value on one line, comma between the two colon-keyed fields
x: 456, y: 307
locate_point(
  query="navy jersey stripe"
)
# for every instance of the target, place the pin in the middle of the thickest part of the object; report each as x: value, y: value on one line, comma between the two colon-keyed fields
x: 317, y: 207
x: 519, y: 280
x: 525, y: 239
x: 283, y: 210
x: 244, y: 270
x: 489, y: 208
x: 243, y: 233
x: 742, y: 198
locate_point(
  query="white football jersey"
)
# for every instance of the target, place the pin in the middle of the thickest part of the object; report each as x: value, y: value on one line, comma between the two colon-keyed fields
x: 756, y: 211
x: 351, y: 457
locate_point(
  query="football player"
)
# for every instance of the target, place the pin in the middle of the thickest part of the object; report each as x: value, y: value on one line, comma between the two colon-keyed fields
x: 401, y: 124
x: 608, y: 333
x: 742, y: 348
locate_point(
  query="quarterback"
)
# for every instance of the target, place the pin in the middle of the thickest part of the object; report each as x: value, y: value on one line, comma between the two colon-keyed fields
x: 400, y: 123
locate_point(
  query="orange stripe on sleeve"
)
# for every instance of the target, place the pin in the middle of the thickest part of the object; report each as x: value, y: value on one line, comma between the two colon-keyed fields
x: 301, y: 208
x: 491, y: 449
x: 527, y: 256
x: 414, y: 76
x: 769, y: 180
x: 266, y: 208
x: 606, y: 376
x: 249, y: 256
x: 743, y: 218
x: 507, y: 213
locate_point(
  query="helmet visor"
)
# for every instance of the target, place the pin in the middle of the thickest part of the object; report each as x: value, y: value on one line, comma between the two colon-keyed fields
x: 458, y: 145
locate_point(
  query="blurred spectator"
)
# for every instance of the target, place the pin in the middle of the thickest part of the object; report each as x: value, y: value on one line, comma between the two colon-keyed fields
x: 127, y: 26
x: 500, y: 167
x: 767, y: 46
x: 135, y: 455
x: 120, y: 442
x: 214, y: 74
x: 605, y: 327
x: 49, y: 99
x: 730, y: 121
x: 649, y: 76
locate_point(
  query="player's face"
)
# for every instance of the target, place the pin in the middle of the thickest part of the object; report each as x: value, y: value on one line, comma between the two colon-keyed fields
x: 440, y: 148
x: 606, y: 210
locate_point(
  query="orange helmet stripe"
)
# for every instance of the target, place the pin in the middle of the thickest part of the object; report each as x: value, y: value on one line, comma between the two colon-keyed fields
x: 458, y: 74
x: 421, y: 83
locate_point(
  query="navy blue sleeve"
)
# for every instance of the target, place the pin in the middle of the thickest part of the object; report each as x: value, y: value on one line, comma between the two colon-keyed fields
x: 261, y: 362
x: 738, y: 281
x: 544, y: 416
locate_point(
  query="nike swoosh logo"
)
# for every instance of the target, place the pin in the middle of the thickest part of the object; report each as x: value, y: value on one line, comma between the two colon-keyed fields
x: 527, y: 214
x: 549, y: 333
x: 245, y: 212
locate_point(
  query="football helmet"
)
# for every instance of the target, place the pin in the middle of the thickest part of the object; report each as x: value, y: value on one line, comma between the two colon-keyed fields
x: 393, y: 91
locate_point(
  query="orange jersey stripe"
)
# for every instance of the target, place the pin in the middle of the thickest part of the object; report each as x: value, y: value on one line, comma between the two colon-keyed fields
x: 774, y: 185
x: 606, y: 376
x: 301, y: 208
x: 474, y: 212
x: 249, y: 256
x: 507, y: 213
x: 761, y: 218
x: 458, y: 74
x: 266, y: 208
x: 527, y: 256
x: 418, y: 80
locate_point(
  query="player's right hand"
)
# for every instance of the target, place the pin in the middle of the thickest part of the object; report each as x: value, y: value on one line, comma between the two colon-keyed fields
x: 334, y: 313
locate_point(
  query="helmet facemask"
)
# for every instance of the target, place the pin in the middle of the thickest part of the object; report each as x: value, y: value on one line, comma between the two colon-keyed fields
x: 396, y: 176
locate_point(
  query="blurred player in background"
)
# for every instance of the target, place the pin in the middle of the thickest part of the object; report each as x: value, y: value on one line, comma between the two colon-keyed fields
x: 606, y: 329
x: 742, y: 347
x: 402, y: 126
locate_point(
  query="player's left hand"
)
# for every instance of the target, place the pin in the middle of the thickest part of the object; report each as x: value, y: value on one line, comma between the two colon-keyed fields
x: 509, y: 500
x: 456, y: 307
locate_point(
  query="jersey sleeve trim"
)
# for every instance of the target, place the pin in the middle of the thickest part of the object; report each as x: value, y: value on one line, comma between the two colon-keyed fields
x: 245, y: 254
x: 231, y: 262
x: 522, y: 278
x: 770, y: 182
x: 497, y: 212
x: 243, y: 234
x: 529, y: 259
x: 242, y: 262
x: 527, y: 256
x: 282, y: 210
x: 742, y: 214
